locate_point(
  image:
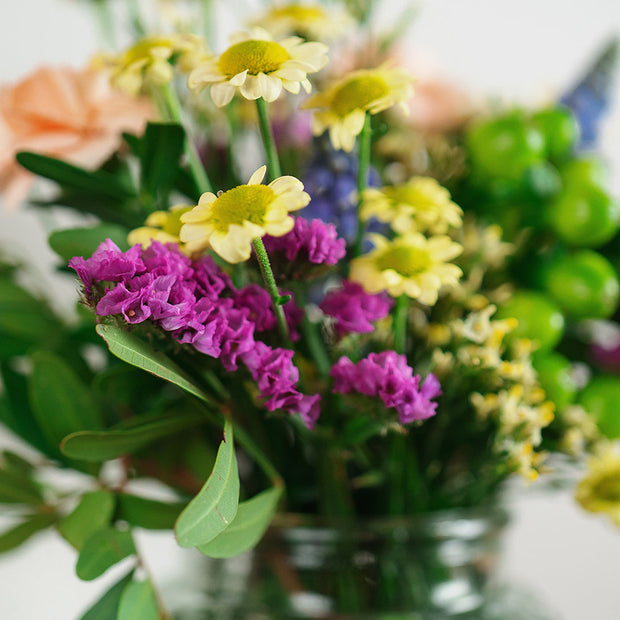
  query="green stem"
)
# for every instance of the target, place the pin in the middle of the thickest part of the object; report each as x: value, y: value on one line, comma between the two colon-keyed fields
x: 106, y: 24
x: 400, y: 324
x: 272, y: 287
x: 365, y: 144
x: 136, y: 18
x: 316, y: 347
x: 208, y: 22
x: 270, y: 145
x: 174, y: 112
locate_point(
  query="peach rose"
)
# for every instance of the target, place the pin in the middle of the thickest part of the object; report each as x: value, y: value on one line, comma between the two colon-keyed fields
x: 70, y: 114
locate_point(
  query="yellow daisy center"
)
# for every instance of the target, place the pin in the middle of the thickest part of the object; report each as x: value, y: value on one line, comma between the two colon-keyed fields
x: 607, y: 489
x: 358, y: 93
x: 406, y: 194
x: 408, y: 261
x: 142, y: 50
x: 254, y: 56
x: 245, y: 203
x: 299, y: 13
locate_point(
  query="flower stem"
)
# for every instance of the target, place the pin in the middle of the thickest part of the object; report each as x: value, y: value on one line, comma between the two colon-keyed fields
x: 400, y: 324
x: 106, y: 23
x: 136, y: 18
x: 174, y: 112
x: 270, y: 146
x: 365, y: 144
x: 270, y: 281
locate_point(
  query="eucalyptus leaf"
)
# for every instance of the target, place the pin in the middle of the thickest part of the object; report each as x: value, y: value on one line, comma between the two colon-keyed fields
x: 248, y: 526
x: 97, y: 446
x: 147, y: 513
x: 84, y: 241
x: 101, y: 550
x: 92, y: 513
x: 19, y: 534
x: 136, y: 352
x: 215, y: 506
x: 73, y: 177
x: 61, y: 402
x: 138, y: 601
x: 106, y: 608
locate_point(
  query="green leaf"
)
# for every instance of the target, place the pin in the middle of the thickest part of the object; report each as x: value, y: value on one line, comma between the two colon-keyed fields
x: 215, y: 506
x: 18, y: 488
x: 72, y: 177
x: 252, y: 519
x: 84, y: 241
x: 138, y: 601
x: 161, y: 150
x: 92, y: 513
x: 138, y: 353
x: 97, y: 446
x: 149, y: 514
x: 102, y: 550
x: 17, y: 463
x: 21, y: 533
x: 106, y: 608
x: 16, y: 412
x: 359, y: 430
x: 61, y: 402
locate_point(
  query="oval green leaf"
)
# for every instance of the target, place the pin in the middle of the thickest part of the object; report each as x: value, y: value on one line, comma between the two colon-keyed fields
x: 215, y: 506
x: 136, y: 352
x: 62, y: 404
x: 18, y: 488
x: 138, y: 602
x: 102, y: 550
x: 106, y: 608
x: 21, y: 533
x: 252, y: 519
x: 92, y: 513
x: 84, y: 241
x: 98, y: 446
x: 147, y: 513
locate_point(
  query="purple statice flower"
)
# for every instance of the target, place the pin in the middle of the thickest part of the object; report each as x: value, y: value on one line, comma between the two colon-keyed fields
x: 276, y: 377
x: 197, y: 304
x: 315, y: 241
x: 354, y: 309
x: 258, y: 303
x: 107, y: 264
x: 388, y: 376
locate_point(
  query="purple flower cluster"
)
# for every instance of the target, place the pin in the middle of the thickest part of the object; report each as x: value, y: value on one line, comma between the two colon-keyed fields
x: 388, y: 376
x: 315, y: 240
x: 354, y: 309
x: 197, y: 303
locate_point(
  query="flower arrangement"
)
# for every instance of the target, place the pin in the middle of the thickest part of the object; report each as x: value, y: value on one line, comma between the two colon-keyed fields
x: 360, y: 337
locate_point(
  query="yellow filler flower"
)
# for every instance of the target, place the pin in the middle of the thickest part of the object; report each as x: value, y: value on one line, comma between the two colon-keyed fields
x: 228, y: 223
x: 258, y: 66
x: 162, y: 226
x: 149, y: 62
x: 599, y: 491
x: 311, y: 21
x: 421, y: 204
x: 410, y: 264
x: 342, y: 108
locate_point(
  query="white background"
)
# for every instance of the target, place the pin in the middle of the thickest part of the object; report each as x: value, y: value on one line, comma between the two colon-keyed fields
x: 524, y: 51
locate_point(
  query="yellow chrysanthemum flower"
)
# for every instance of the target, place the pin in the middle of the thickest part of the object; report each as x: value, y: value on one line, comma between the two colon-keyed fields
x: 421, y: 204
x: 149, y: 62
x: 410, y: 264
x: 342, y: 108
x: 258, y: 66
x: 162, y: 226
x: 310, y: 21
x: 599, y: 491
x: 228, y: 223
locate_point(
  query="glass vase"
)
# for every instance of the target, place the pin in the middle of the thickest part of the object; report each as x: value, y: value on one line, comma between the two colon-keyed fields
x: 436, y: 567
